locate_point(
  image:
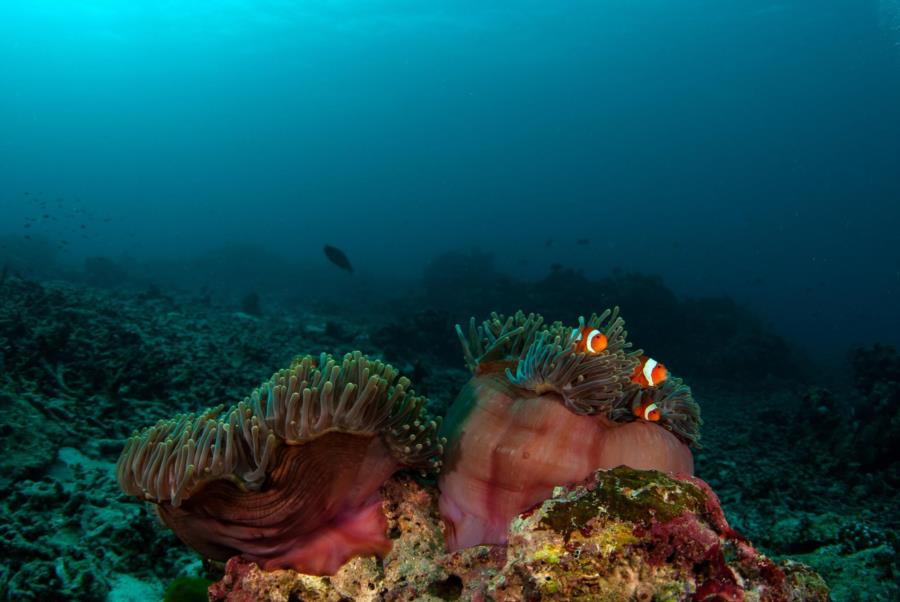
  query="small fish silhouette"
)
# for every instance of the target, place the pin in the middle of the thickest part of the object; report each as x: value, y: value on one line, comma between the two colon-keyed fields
x: 338, y: 258
x: 583, y: 242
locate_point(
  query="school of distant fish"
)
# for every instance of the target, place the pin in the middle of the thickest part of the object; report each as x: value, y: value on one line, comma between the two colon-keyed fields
x: 59, y: 219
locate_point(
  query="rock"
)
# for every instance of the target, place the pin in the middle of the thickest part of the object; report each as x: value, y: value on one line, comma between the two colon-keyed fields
x: 623, y: 534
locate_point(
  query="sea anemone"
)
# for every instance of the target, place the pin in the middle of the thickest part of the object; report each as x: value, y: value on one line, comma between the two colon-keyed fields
x: 679, y: 413
x: 589, y: 383
x: 537, y: 414
x: 290, y: 476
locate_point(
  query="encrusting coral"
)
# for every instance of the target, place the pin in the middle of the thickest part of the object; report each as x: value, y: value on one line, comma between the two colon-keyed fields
x: 538, y: 413
x: 619, y: 535
x: 289, y: 477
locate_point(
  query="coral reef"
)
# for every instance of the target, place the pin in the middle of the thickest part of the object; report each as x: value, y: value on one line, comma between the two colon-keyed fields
x: 81, y: 368
x: 129, y: 354
x: 68, y: 536
x: 621, y: 535
x: 803, y: 497
x: 874, y: 365
x: 876, y: 439
x: 857, y: 432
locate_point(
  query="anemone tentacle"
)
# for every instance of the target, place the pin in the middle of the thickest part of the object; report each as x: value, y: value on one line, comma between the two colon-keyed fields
x: 546, y: 358
x: 679, y: 412
x: 171, y: 460
x: 545, y: 407
x: 500, y: 336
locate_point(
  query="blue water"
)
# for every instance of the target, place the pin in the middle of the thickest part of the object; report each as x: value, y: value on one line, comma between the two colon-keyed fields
x: 744, y: 148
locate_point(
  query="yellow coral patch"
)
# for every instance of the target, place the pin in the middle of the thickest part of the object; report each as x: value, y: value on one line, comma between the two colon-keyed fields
x: 548, y: 553
x: 547, y: 582
x: 614, y: 536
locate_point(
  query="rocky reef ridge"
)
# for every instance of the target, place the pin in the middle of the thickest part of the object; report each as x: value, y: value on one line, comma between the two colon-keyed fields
x: 621, y: 535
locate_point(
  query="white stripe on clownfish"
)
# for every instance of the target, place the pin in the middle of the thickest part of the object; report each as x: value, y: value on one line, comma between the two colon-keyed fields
x: 649, y: 410
x: 648, y: 370
x: 590, y: 340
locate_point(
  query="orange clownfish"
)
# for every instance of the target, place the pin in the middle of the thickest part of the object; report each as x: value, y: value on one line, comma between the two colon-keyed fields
x: 649, y: 372
x: 648, y: 411
x: 589, y: 340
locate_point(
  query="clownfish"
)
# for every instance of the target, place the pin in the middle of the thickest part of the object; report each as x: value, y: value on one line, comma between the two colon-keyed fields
x: 648, y: 411
x: 589, y: 340
x: 649, y: 372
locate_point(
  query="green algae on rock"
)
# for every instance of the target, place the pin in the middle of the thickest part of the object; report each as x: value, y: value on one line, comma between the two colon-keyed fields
x: 627, y: 534
x: 623, y: 494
